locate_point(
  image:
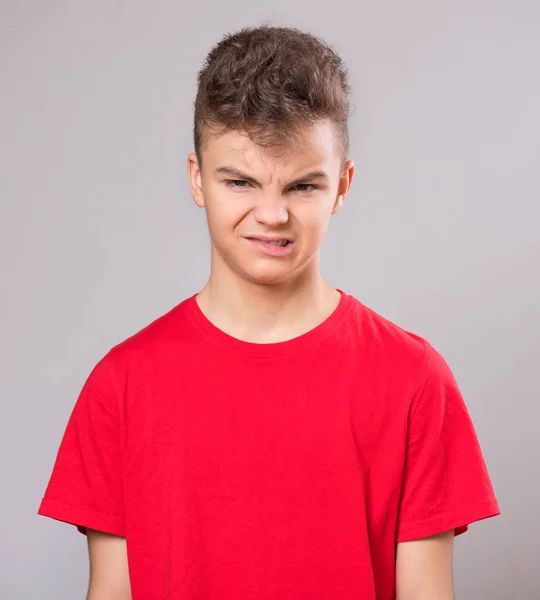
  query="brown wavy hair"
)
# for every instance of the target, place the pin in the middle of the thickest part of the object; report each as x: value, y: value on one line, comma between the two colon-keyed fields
x: 267, y: 82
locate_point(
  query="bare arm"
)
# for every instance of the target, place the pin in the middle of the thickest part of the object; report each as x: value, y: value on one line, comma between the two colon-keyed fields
x: 424, y: 568
x: 109, y: 577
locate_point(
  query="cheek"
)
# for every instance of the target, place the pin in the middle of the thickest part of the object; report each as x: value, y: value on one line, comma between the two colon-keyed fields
x: 314, y: 224
x: 223, y: 213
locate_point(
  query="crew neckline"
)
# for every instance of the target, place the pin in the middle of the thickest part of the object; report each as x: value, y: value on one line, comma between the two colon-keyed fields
x: 313, y: 337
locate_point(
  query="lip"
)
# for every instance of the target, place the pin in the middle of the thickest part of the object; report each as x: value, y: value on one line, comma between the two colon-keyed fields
x: 261, y: 243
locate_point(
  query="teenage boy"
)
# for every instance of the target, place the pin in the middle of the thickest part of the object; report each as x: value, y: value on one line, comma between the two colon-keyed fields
x: 270, y: 437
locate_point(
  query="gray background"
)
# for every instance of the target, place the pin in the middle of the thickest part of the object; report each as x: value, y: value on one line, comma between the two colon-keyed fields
x: 99, y: 234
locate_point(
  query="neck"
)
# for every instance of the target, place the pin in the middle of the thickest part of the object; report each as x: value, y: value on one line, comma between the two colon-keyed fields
x: 267, y: 313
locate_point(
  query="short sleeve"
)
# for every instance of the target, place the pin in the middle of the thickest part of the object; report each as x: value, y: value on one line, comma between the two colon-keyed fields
x: 446, y: 484
x: 85, y: 488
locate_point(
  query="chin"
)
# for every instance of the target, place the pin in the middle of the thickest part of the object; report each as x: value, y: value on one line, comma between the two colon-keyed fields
x: 260, y: 270
x: 267, y: 279
x: 266, y: 276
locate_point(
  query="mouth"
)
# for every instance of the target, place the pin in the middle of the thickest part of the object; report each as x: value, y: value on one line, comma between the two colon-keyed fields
x: 272, y: 247
x: 278, y: 243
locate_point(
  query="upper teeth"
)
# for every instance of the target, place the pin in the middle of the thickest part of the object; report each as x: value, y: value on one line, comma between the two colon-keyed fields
x: 278, y: 242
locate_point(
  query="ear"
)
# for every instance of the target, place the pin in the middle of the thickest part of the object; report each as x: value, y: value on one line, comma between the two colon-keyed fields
x: 194, y: 179
x: 344, y: 185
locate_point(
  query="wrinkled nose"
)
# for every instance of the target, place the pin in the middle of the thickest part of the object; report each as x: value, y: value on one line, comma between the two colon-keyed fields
x: 271, y: 211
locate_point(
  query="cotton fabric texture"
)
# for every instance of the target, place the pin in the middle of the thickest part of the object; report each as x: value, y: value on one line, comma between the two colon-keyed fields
x: 263, y: 471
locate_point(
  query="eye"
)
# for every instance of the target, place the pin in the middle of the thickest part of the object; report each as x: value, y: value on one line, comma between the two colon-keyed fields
x: 304, y: 187
x: 242, y: 184
x: 236, y: 183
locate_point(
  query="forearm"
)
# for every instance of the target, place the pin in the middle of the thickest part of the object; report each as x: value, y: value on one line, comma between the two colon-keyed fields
x: 109, y: 572
x: 102, y: 592
x: 424, y: 568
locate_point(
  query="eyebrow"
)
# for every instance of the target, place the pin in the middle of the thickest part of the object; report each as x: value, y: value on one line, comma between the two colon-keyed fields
x: 234, y: 172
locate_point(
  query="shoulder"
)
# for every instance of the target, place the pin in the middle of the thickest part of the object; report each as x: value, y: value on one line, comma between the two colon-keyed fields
x: 403, y: 355
x: 148, y: 345
x: 386, y: 342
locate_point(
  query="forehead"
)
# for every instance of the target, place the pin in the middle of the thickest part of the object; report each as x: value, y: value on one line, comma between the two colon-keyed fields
x: 316, y: 145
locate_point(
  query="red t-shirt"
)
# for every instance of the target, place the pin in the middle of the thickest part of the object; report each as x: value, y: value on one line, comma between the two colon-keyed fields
x: 263, y: 471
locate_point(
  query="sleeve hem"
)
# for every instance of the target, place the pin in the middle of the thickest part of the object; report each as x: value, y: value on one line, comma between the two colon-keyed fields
x: 81, y: 518
x: 458, y: 520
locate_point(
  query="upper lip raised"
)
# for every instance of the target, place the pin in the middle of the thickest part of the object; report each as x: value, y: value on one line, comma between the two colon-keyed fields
x: 266, y: 238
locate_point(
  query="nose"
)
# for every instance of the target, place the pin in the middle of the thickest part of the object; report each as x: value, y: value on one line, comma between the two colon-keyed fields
x: 271, y: 210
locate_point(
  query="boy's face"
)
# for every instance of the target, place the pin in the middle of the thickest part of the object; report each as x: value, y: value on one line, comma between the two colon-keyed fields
x: 257, y: 197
